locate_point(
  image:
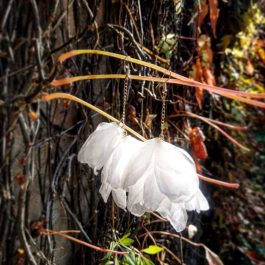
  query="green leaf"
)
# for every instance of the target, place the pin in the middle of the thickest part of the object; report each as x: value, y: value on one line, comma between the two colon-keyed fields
x: 116, y: 261
x: 147, y: 261
x: 108, y: 256
x: 125, y: 236
x: 129, y: 259
x: 125, y: 240
x: 152, y: 250
x: 148, y: 216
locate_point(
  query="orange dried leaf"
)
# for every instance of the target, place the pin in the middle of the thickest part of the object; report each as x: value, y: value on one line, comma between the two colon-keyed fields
x: 198, y: 77
x: 199, y: 96
x: 132, y: 110
x: 203, y: 13
x: 198, y: 70
x: 200, y: 150
x: 261, y: 53
x: 214, y: 14
x: 209, y: 77
x: 198, y: 147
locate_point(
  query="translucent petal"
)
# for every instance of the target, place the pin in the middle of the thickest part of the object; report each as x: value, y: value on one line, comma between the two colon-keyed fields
x: 135, y: 198
x: 100, y: 144
x: 178, y: 217
x: 197, y: 203
x: 119, y: 197
x: 105, y: 190
x: 175, y: 213
x: 152, y: 196
x: 170, y: 168
x: 163, y: 178
x: 116, y: 168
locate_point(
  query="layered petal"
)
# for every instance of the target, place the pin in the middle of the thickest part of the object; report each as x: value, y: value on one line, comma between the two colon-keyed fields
x: 119, y: 197
x: 100, y: 144
x: 163, y: 178
x: 117, y: 165
x: 166, y: 167
x: 116, y: 169
x: 197, y: 203
x: 175, y: 213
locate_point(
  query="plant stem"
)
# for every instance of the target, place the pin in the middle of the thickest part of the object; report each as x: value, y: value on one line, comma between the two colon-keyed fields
x: 48, y: 97
x: 236, y: 95
x: 59, y: 233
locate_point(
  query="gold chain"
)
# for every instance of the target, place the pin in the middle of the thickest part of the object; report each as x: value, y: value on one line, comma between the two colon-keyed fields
x: 163, y: 111
x: 125, y: 95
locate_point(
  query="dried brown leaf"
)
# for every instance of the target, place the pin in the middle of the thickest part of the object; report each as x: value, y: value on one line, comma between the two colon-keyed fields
x: 199, y: 96
x: 209, y: 77
x: 203, y: 12
x: 214, y: 14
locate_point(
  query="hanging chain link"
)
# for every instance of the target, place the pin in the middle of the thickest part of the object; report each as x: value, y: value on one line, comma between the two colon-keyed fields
x: 163, y: 111
x: 125, y: 95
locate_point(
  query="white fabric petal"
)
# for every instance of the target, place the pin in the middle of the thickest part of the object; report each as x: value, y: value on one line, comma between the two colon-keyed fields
x: 119, y: 197
x: 163, y: 178
x: 167, y: 167
x: 175, y: 171
x: 178, y: 217
x: 116, y: 167
x: 105, y: 190
x: 135, y: 198
x: 100, y: 144
x: 197, y: 203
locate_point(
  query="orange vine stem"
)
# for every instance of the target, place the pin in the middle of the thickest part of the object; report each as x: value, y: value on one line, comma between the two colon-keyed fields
x: 48, y: 97
x: 236, y: 95
x: 219, y: 182
x: 233, y: 140
x: 59, y: 233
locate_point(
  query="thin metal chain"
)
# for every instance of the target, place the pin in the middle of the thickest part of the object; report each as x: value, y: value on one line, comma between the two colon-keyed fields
x: 125, y: 95
x: 163, y: 111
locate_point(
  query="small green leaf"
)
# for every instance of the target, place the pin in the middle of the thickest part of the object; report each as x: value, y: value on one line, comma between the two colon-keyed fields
x: 129, y: 259
x: 152, y: 250
x: 147, y: 261
x: 125, y: 236
x: 148, y: 216
x: 112, y: 246
x: 116, y: 261
x: 126, y: 242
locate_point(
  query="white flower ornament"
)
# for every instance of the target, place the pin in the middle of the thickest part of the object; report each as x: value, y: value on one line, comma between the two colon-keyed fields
x: 157, y: 176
